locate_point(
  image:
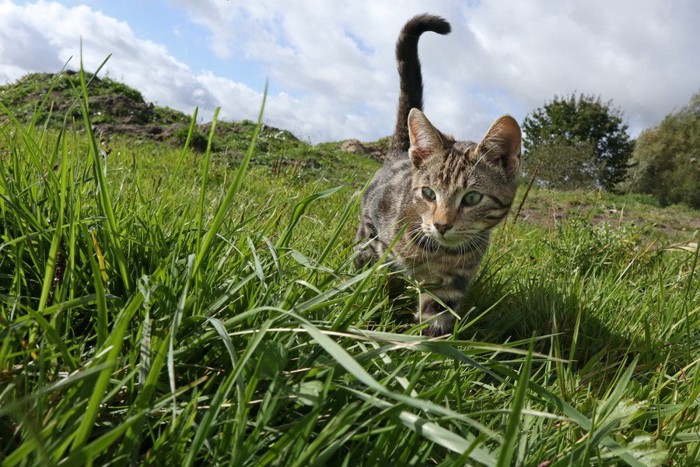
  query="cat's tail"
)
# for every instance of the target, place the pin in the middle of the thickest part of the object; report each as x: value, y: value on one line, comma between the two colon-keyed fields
x: 410, y: 73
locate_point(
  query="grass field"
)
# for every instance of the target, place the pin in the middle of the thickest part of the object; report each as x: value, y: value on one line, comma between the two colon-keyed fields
x: 165, y: 306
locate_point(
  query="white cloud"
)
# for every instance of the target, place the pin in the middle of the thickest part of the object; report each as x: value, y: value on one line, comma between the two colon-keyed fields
x: 332, y: 63
x: 639, y: 53
x: 51, y: 36
x: 501, y: 57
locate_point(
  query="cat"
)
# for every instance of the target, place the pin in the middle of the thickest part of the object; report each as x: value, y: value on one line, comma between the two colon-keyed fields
x: 436, y: 199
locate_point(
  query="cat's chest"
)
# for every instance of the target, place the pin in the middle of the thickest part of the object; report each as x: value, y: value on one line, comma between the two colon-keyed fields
x: 433, y: 266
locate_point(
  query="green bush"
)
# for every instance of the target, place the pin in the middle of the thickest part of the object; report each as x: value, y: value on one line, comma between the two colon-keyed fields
x: 564, y: 166
x: 666, y: 159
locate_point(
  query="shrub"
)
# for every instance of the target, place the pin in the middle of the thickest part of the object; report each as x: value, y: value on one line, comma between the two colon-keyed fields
x: 562, y: 165
x: 666, y: 159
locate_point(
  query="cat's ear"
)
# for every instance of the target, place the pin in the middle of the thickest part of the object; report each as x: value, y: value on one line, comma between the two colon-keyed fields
x: 425, y: 139
x: 501, y: 144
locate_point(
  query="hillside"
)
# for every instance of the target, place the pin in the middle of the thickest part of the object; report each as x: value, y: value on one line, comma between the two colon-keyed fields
x: 117, y: 109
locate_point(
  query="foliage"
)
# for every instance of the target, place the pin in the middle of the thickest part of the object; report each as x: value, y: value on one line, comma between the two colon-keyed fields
x: 572, y: 125
x: 563, y: 165
x: 666, y: 159
x: 213, y: 316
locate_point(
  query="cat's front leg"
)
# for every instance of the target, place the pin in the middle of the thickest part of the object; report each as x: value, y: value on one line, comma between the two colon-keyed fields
x: 441, y: 319
x: 365, y: 251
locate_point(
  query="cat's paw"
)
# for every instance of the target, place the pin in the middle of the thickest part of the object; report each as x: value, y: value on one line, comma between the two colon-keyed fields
x: 442, y: 325
x: 441, y: 320
x: 364, y: 257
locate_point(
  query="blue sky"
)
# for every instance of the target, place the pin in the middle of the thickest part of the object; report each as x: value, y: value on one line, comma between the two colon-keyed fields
x: 331, y: 67
x: 164, y: 22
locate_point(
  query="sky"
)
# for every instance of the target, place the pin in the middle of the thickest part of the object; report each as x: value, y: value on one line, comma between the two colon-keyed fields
x: 331, y: 68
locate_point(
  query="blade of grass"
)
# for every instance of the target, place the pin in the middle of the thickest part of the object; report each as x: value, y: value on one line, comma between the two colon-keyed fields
x: 222, y: 394
x: 48, y: 282
x: 104, y: 200
x: 344, y: 359
x: 205, y: 176
x: 226, y: 203
x: 333, y: 240
x: 115, y: 341
x: 434, y: 432
x: 510, y: 437
x: 188, y: 139
x: 177, y: 317
x: 299, y: 210
x: 100, y: 296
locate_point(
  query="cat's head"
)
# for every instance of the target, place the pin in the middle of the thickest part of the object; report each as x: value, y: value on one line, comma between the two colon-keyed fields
x: 462, y: 189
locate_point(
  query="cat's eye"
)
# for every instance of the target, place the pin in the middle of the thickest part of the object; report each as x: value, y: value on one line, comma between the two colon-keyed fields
x: 472, y: 198
x: 428, y: 193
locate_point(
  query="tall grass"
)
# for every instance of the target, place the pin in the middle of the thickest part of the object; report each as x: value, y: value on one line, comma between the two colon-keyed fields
x: 214, y: 317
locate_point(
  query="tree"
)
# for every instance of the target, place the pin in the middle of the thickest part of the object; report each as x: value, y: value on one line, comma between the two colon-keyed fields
x: 666, y: 159
x: 571, y: 124
x: 565, y: 166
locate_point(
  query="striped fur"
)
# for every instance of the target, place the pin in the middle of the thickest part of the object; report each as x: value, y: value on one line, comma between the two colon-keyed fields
x: 436, y: 199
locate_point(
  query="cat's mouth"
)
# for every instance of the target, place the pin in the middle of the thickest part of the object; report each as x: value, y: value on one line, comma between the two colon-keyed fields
x: 449, y: 239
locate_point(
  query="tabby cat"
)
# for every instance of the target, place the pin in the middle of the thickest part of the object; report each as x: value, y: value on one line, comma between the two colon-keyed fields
x: 436, y: 199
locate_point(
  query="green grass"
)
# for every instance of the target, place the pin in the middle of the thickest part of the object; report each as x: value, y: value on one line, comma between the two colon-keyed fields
x: 177, y: 307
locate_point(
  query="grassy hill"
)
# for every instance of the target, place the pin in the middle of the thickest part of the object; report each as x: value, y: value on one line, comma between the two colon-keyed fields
x: 170, y: 305
x: 117, y: 107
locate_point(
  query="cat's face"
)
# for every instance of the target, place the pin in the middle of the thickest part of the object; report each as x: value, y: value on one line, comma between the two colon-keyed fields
x: 461, y: 189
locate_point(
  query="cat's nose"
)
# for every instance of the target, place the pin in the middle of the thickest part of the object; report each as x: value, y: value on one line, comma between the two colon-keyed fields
x: 442, y: 228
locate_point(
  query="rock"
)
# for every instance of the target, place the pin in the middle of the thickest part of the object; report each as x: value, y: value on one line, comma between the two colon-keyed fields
x: 353, y: 146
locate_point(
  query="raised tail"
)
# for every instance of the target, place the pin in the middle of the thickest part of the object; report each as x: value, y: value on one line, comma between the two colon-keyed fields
x: 410, y: 73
